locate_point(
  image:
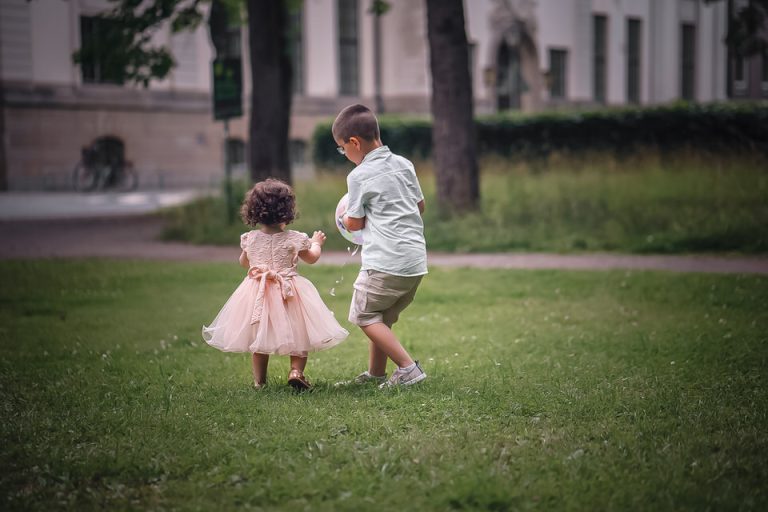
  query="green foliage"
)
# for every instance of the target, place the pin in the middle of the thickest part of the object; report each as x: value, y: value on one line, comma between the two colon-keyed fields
x: 730, y: 127
x: 746, y: 28
x: 379, y: 7
x: 547, y: 390
x: 127, y: 48
x: 651, y: 204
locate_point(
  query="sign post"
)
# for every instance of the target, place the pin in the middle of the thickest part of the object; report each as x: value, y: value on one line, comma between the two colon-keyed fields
x: 227, y: 103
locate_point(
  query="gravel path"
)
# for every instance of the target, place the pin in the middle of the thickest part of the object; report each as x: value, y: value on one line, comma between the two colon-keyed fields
x: 136, y: 238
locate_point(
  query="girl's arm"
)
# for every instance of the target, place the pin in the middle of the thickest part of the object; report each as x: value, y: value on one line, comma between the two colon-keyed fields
x: 353, y: 223
x: 244, y: 260
x: 312, y: 254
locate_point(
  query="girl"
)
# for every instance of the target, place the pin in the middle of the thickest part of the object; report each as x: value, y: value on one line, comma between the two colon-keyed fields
x: 275, y: 310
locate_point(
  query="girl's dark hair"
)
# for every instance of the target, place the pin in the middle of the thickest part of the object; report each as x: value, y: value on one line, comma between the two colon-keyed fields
x: 269, y: 202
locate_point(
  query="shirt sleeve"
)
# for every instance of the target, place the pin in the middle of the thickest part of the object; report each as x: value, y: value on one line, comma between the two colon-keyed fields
x: 303, y: 241
x: 417, y: 187
x: 244, y: 241
x: 356, y: 200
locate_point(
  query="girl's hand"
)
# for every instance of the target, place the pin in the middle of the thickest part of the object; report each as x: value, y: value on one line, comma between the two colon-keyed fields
x: 318, y: 237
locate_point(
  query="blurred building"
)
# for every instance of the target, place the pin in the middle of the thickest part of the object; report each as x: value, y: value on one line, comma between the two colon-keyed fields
x: 526, y: 55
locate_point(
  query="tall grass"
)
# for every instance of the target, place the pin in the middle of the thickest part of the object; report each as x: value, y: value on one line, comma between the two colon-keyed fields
x: 643, y: 204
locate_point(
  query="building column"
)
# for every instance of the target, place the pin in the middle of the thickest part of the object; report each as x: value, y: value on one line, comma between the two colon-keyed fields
x: 662, y: 65
x: 579, y: 79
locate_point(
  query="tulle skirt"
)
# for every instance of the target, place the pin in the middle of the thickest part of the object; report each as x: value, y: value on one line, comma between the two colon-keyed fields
x: 294, y: 326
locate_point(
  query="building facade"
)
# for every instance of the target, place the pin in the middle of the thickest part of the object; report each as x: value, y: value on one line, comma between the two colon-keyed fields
x: 527, y: 55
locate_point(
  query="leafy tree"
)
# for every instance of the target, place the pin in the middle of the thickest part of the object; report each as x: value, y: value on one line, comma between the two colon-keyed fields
x: 133, y: 58
x: 453, y: 128
x: 747, y: 28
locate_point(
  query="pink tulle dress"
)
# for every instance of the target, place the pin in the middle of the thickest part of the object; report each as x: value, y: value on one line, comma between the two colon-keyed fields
x: 274, y: 310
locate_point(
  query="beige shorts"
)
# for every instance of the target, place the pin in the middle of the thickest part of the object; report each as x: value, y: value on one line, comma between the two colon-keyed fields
x: 381, y: 297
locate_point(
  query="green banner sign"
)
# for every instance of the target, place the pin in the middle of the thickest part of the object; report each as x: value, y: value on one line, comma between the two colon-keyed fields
x: 227, y: 88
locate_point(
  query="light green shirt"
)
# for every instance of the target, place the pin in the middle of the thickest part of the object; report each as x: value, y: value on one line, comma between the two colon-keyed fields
x: 385, y: 190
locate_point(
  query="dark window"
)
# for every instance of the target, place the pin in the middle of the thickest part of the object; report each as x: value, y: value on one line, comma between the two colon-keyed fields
x: 509, y: 77
x: 236, y: 149
x: 558, y: 73
x: 296, y: 41
x: 764, y: 65
x: 234, y: 41
x: 634, y: 27
x: 297, y: 151
x: 739, y: 69
x: 688, y: 62
x: 97, y: 35
x: 348, y: 47
x: 600, y: 56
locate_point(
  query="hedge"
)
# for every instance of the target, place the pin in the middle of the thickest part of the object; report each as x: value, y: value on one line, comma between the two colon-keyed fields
x: 713, y: 127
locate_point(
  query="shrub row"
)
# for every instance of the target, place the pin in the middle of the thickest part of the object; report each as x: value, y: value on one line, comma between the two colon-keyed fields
x: 713, y: 127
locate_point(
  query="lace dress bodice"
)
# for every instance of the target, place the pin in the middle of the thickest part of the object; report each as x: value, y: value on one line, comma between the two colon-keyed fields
x: 276, y: 251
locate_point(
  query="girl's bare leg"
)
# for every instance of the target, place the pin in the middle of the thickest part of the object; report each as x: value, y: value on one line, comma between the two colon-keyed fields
x: 298, y: 363
x: 260, y: 362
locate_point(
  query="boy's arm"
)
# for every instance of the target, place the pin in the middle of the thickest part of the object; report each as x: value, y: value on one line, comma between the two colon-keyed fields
x: 353, y: 223
x: 420, y: 204
x: 354, y: 218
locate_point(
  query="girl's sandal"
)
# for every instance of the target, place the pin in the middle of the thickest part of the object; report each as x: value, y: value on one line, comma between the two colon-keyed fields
x: 297, y: 381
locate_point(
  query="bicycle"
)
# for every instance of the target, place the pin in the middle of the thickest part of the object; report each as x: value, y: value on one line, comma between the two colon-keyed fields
x: 102, y: 166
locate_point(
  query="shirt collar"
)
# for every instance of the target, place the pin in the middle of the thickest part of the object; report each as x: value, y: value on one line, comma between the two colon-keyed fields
x: 380, y: 152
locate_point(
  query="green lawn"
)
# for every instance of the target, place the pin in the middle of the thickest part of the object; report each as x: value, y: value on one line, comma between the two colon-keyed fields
x: 548, y: 390
x: 644, y: 204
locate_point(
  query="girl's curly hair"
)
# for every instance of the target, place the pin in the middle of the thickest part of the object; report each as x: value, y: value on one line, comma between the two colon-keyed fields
x: 269, y: 202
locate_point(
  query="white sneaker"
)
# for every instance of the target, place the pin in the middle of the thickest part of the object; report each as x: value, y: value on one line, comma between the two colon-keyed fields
x: 363, y: 378
x: 401, y: 377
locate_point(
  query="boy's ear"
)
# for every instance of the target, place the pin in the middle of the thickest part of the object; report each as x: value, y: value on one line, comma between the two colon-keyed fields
x: 355, y: 141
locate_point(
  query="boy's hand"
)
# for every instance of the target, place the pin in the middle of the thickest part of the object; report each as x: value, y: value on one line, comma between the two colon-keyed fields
x: 318, y: 237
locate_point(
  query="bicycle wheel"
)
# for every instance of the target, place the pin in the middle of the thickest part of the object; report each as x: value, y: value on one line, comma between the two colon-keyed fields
x: 126, y: 179
x: 84, y: 178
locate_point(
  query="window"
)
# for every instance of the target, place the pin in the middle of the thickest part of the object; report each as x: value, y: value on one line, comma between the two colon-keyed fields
x: 348, y: 47
x: 739, y: 69
x: 236, y: 150
x: 295, y: 42
x: 688, y: 62
x: 634, y: 27
x: 97, y: 36
x: 764, y: 67
x: 558, y: 69
x: 600, y: 56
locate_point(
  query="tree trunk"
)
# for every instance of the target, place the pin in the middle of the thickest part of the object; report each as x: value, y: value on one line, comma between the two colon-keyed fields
x: 453, y: 129
x: 271, y: 90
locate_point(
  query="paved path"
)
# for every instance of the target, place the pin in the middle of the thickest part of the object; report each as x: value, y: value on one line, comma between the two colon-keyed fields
x: 68, y: 205
x: 136, y: 237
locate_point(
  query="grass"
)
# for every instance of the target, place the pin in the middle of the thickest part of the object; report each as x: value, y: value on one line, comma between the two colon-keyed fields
x: 645, y: 204
x: 548, y: 390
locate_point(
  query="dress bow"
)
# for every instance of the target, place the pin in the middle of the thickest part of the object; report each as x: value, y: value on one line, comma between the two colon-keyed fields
x: 263, y: 274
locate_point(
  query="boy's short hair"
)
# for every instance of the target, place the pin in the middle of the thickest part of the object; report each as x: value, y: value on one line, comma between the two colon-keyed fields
x: 356, y: 121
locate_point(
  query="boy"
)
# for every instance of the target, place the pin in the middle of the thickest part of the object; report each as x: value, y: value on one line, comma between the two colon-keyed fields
x: 386, y: 202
